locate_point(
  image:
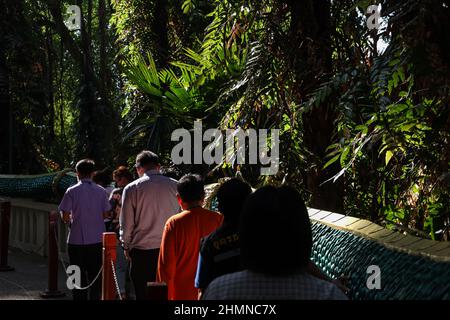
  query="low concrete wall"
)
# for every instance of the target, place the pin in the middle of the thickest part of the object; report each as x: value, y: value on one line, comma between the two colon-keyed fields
x: 29, y: 227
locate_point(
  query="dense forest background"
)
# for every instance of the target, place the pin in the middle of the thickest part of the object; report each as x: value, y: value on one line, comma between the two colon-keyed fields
x: 364, y: 114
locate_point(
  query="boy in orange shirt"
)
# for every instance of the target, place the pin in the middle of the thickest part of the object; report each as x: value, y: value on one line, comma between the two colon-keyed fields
x: 178, y: 257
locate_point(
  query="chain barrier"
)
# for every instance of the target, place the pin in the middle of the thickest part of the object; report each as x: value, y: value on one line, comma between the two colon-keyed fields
x: 65, y: 268
x: 115, y: 280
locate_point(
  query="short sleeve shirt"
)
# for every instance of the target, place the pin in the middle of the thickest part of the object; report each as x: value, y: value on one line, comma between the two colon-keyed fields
x: 86, y: 201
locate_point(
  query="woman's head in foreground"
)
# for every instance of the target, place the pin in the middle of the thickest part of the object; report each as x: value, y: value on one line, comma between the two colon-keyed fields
x: 275, y: 231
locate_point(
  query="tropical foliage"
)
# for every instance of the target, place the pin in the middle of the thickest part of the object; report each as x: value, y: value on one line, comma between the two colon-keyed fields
x: 363, y: 113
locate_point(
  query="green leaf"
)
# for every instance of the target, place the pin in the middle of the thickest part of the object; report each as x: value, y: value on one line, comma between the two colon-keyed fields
x: 407, y: 127
x: 187, y: 6
x: 344, y: 155
x: 403, y: 94
x: 331, y: 161
x: 388, y: 157
x: 125, y: 111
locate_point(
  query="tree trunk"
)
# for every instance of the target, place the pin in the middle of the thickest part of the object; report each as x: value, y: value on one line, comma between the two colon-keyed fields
x: 310, y: 32
x: 89, y: 19
x: 159, y: 29
x: 105, y: 77
x: 49, y: 74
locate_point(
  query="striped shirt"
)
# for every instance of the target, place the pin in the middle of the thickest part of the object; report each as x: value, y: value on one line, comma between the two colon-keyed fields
x: 248, y: 285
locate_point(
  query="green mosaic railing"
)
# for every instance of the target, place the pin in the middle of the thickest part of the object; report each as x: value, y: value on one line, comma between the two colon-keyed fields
x: 44, y: 187
x: 403, y: 276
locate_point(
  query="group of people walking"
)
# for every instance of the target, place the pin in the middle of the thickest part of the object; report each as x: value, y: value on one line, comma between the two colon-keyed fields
x: 257, y: 246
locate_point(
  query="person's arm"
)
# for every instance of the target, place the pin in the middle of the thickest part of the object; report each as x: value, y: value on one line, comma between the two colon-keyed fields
x: 65, y: 216
x: 65, y: 207
x: 167, y: 257
x: 126, y: 218
x: 198, y: 275
x: 204, y: 269
x: 114, y: 200
x: 106, y: 207
x: 313, y: 270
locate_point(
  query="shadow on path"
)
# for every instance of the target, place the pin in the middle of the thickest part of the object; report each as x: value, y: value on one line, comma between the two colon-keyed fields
x: 29, y: 278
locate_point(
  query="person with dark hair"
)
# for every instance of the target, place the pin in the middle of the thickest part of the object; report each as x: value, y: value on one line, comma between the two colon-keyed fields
x: 122, y: 176
x: 84, y: 207
x: 178, y: 257
x: 103, y: 179
x: 147, y: 203
x: 220, y: 251
x: 276, y: 243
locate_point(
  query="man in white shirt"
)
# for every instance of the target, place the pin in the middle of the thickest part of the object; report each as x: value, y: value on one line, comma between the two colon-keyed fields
x: 147, y: 203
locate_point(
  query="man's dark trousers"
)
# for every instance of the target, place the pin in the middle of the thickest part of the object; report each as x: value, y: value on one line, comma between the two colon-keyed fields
x: 143, y: 269
x: 89, y: 258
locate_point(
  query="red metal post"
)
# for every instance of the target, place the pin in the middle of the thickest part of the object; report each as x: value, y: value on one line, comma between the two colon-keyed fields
x: 109, y: 254
x: 5, y: 218
x: 53, y: 255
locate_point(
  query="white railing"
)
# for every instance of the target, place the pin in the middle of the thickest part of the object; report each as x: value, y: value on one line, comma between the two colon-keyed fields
x: 29, y: 227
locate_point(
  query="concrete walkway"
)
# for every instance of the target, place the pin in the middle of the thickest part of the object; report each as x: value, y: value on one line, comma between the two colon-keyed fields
x: 29, y: 278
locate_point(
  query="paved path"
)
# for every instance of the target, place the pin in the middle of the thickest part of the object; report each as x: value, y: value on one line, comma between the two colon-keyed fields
x: 29, y: 278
